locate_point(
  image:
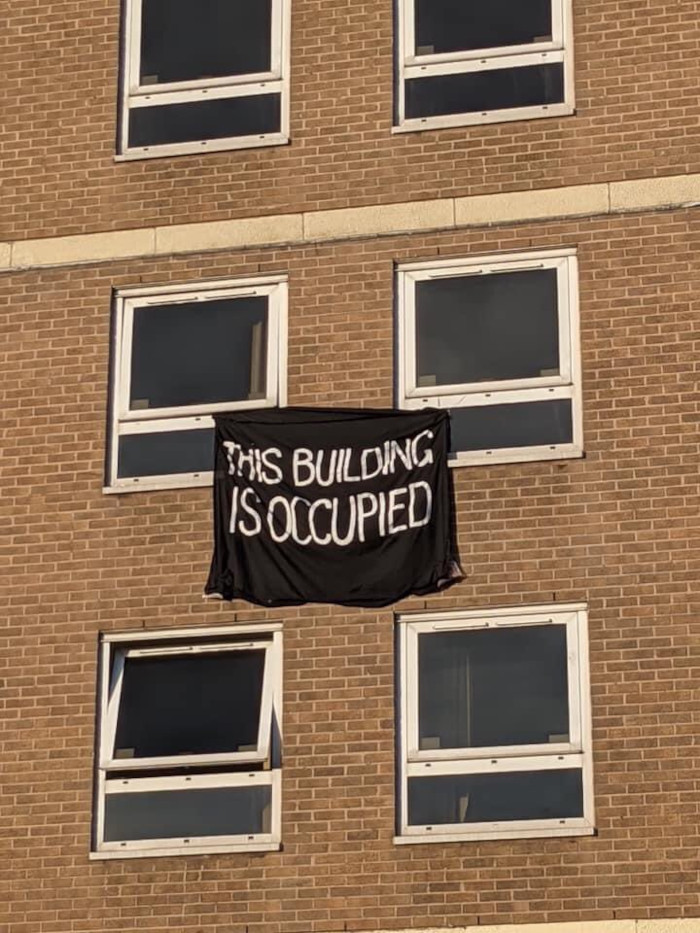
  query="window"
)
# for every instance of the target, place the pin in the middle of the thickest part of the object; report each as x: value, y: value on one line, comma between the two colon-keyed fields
x: 189, y: 751
x: 495, y: 340
x: 495, y: 733
x: 462, y: 63
x: 181, y: 355
x: 203, y: 75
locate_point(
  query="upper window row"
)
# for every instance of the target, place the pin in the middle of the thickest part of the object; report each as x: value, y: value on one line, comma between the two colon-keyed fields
x: 214, y: 74
x: 494, y: 340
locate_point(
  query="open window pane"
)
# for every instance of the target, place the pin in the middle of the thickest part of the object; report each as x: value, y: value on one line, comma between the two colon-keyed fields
x: 198, y: 353
x: 185, y: 40
x: 190, y: 748
x: 486, y: 328
x: 459, y: 26
x: 222, y: 118
x: 525, y: 424
x: 190, y: 704
x: 166, y: 452
x: 175, y: 814
x: 493, y: 687
x: 495, y: 797
x: 484, y: 91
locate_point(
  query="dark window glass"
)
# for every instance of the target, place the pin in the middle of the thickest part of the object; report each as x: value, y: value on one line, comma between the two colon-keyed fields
x: 190, y: 704
x: 198, y: 353
x: 483, y: 91
x: 492, y: 687
x: 525, y: 424
x: 166, y: 452
x: 178, y: 814
x: 206, y: 119
x: 183, y: 40
x: 486, y: 328
x: 486, y: 798
x: 458, y: 25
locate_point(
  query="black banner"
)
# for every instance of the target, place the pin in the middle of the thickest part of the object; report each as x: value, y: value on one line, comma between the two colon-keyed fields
x: 347, y: 506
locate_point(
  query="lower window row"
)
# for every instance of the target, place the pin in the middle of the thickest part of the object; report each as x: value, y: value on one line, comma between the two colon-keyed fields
x: 493, y: 733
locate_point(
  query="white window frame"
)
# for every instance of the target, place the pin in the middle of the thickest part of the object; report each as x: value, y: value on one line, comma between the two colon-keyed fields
x: 565, y: 385
x: 115, y: 648
x: 135, y: 95
x: 576, y: 753
x: 410, y: 66
x: 125, y: 420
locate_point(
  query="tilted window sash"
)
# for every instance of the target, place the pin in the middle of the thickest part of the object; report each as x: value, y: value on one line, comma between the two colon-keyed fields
x: 189, y: 803
x: 260, y: 755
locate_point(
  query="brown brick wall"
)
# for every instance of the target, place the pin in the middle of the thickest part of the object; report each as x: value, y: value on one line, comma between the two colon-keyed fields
x: 637, y: 74
x: 618, y: 529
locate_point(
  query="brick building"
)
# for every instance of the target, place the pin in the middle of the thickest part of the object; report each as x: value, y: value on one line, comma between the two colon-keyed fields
x: 349, y: 204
